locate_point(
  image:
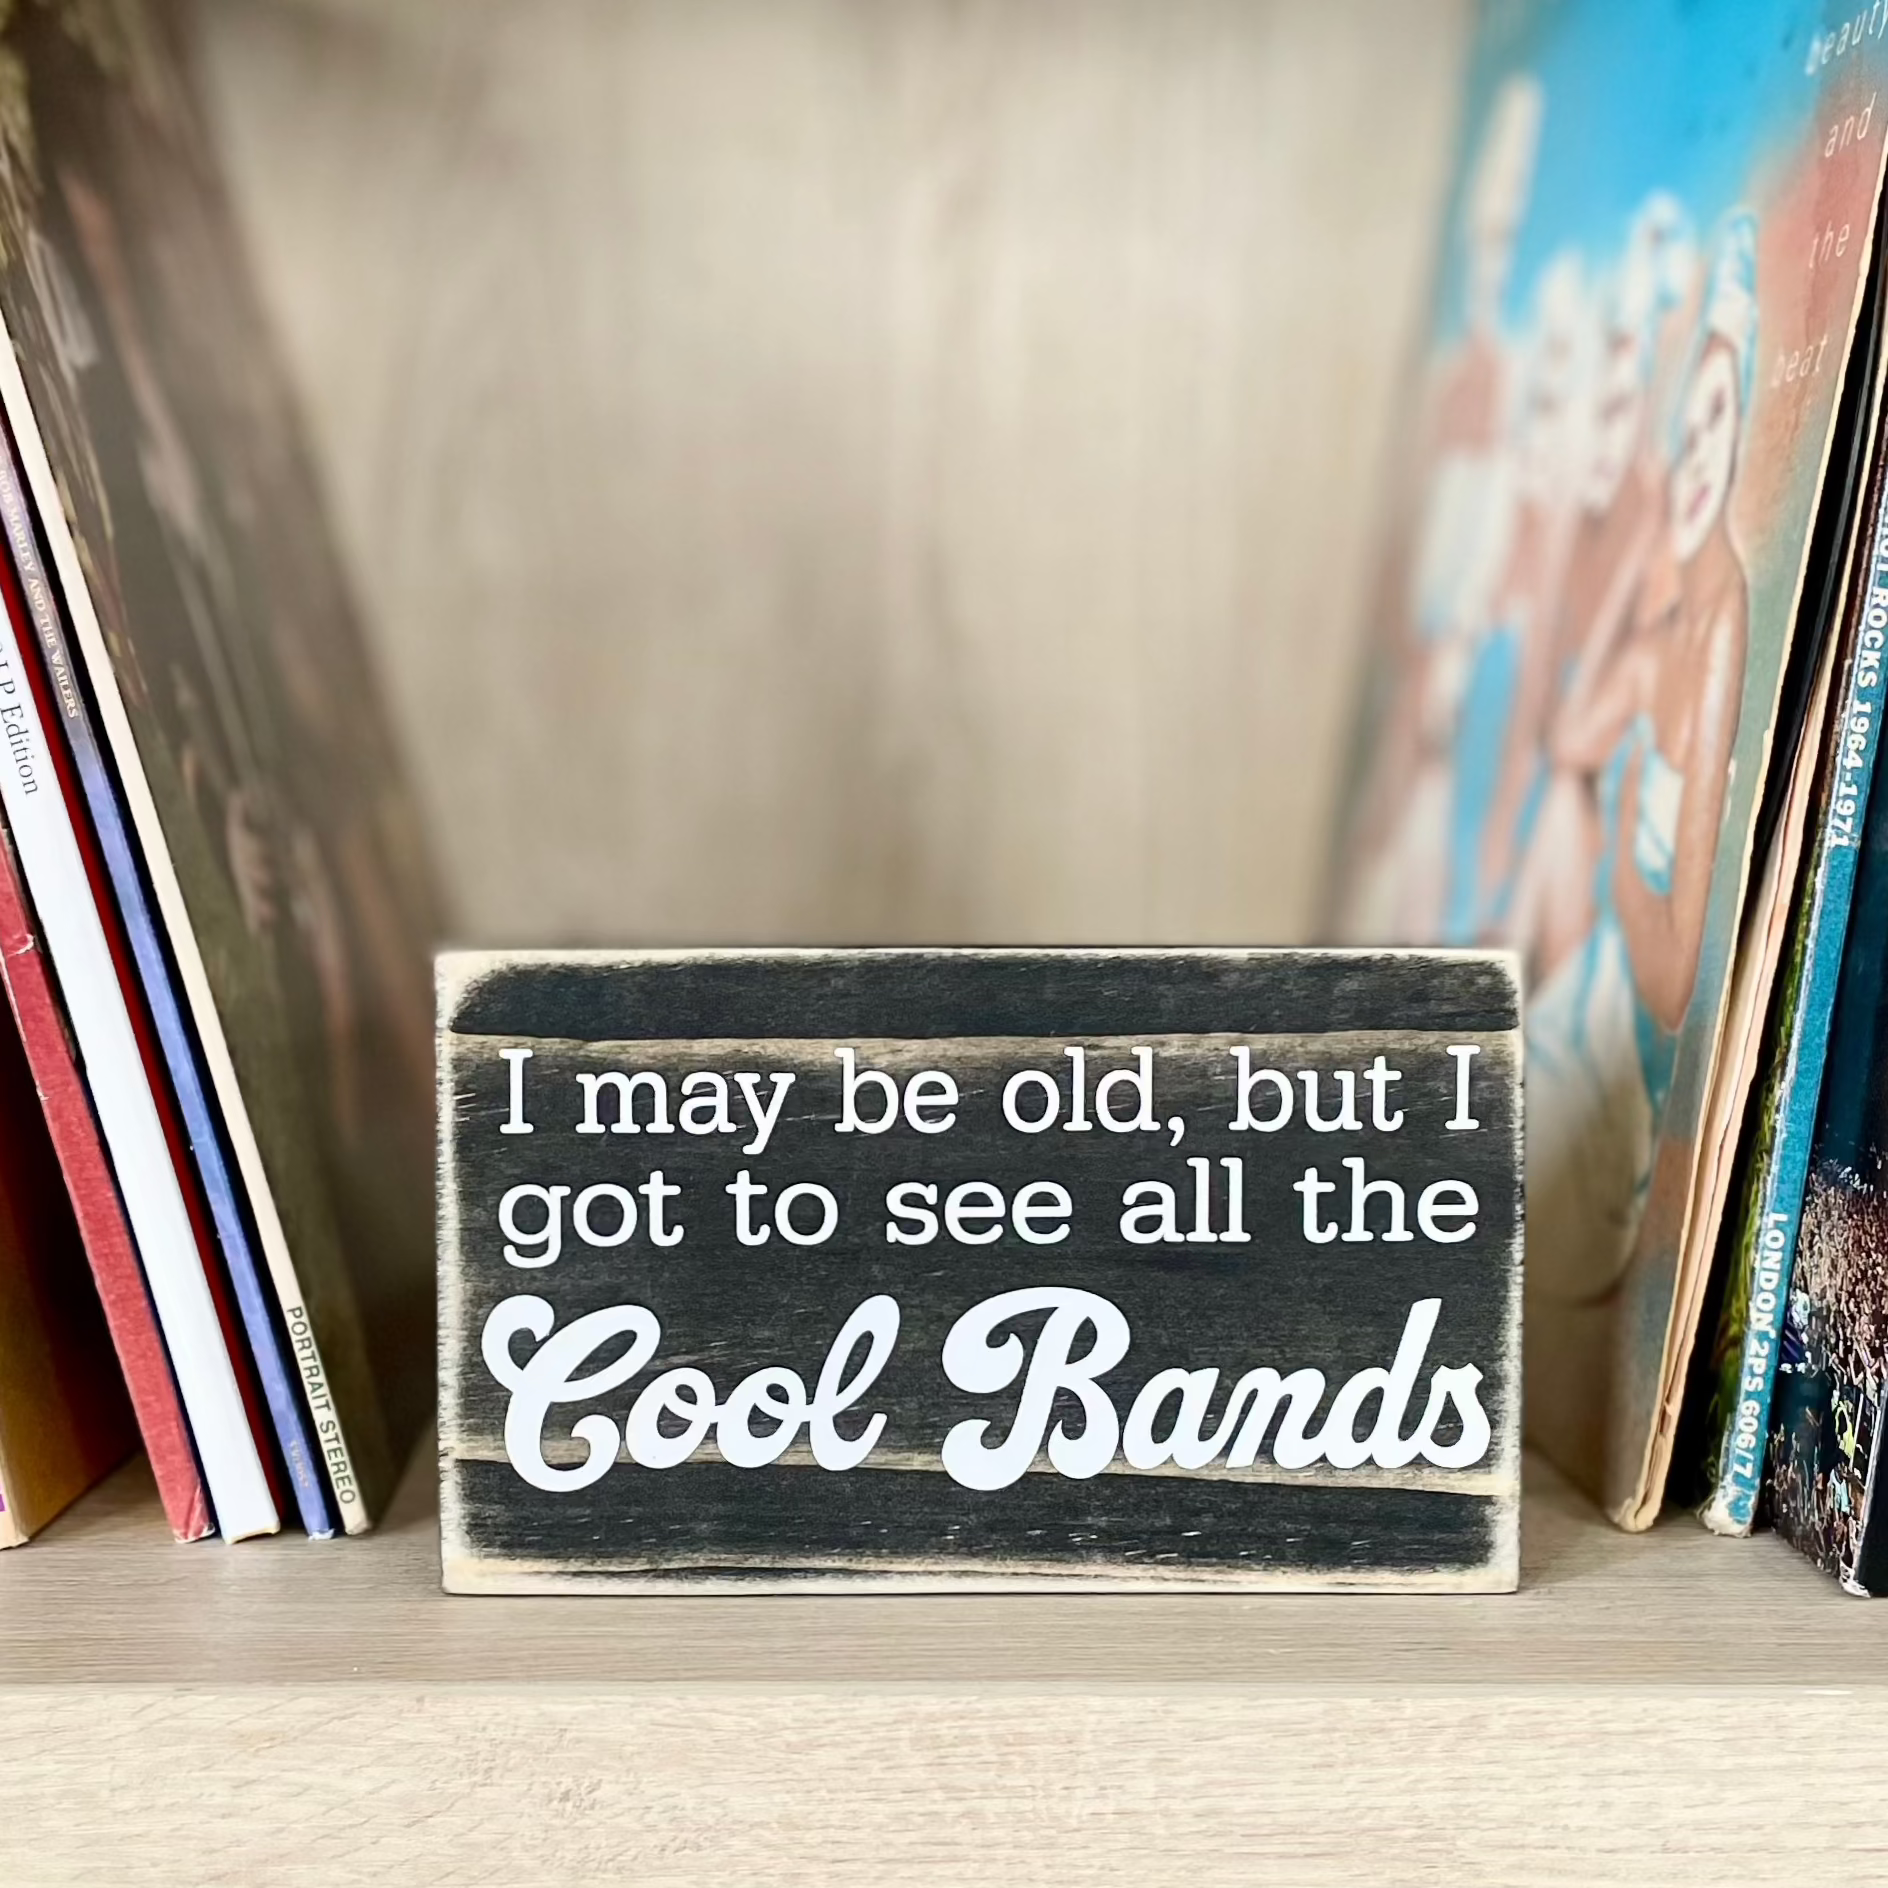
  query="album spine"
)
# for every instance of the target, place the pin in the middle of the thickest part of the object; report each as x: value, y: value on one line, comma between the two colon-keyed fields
x: 280, y: 1386
x: 99, y: 1212
x: 1768, y: 1231
x: 55, y: 872
x: 332, y: 1423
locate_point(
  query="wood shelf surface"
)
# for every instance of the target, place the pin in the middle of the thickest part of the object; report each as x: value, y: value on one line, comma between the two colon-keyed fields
x: 105, y: 1597
x: 304, y: 1715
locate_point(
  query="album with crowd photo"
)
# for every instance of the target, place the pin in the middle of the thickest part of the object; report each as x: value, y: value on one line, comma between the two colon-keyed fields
x: 1622, y: 718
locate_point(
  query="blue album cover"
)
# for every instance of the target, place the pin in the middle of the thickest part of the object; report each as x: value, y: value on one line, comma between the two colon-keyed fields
x: 1772, y: 1204
x: 1825, y: 1419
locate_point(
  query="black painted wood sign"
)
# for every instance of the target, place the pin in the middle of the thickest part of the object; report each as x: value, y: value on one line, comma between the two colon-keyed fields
x: 1131, y: 1269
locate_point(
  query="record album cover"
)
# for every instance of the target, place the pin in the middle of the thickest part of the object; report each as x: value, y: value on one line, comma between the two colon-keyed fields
x: 232, y: 691
x: 1823, y: 1481
x: 1650, y: 277
x: 104, y: 1230
x: 64, y: 1417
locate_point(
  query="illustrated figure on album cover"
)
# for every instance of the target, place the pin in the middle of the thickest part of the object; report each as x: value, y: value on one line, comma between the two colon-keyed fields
x: 1641, y: 321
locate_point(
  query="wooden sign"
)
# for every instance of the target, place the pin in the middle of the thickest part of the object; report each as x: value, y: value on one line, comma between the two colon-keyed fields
x: 1136, y: 1269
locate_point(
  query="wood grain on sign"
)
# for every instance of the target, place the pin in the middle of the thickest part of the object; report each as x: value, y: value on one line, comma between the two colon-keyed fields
x: 1134, y: 1268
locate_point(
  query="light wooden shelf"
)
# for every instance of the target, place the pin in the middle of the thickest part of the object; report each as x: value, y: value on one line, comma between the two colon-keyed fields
x: 1670, y: 1708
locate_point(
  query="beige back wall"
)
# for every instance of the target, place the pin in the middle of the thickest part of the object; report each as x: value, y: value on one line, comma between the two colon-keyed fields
x: 874, y: 470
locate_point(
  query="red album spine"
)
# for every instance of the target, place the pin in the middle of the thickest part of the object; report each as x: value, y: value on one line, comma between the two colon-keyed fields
x: 101, y: 1217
